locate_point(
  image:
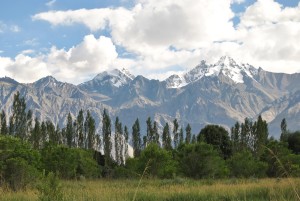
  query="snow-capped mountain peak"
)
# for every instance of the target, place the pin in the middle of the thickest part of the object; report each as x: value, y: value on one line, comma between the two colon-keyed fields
x: 176, y: 81
x: 115, y: 77
x: 127, y: 73
x: 226, y: 66
x: 226, y: 61
x: 115, y: 73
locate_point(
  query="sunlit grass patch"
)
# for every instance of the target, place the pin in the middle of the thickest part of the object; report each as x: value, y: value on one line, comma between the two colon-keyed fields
x: 178, y: 189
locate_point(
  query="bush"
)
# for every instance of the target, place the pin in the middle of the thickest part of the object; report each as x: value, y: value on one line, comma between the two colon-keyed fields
x: 86, y: 165
x: 18, y: 174
x: 201, y: 160
x: 19, y: 163
x: 243, y: 164
x: 218, y: 137
x: 158, y: 162
x: 294, y: 142
x: 281, y: 162
x: 69, y: 162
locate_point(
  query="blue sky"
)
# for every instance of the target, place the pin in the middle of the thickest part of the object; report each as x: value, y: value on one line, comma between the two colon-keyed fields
x: 79, y: 38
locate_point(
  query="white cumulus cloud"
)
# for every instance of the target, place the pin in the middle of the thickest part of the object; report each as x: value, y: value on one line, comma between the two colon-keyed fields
x: 169, y: 36
x: 87, y: 58
x: 94, y: 19
x: 24, y: 68
x: 74, y: 65
x: 151, y: 28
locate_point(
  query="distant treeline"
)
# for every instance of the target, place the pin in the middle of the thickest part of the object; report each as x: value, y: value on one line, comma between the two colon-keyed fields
x: 29, y: 148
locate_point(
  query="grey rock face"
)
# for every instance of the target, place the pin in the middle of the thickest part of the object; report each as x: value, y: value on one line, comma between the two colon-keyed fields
x: 220, y: 93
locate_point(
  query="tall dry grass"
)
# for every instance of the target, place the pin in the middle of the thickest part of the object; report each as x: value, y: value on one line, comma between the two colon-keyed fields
x: 175, y: 190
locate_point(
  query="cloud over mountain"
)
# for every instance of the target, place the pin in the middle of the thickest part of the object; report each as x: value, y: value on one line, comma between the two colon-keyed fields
x: 158, y: 38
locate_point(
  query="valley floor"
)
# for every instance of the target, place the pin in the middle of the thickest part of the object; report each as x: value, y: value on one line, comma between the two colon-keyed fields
x: 175, y: 189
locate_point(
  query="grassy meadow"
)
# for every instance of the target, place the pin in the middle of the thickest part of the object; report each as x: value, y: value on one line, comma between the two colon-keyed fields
x: 174, y: 189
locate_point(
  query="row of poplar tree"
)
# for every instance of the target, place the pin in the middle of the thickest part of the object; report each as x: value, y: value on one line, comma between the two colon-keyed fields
x: 81, y: 133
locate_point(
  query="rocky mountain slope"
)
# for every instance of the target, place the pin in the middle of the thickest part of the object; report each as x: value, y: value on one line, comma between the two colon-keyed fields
x: 220, y: 93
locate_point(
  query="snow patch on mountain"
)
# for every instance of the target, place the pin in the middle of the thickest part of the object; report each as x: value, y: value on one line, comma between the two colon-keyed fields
x: 116, y: 77
x: 175, y: 81
x: 226, y: 66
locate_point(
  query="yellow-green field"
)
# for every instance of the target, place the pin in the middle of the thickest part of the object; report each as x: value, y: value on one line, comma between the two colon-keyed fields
x: 176, y: 189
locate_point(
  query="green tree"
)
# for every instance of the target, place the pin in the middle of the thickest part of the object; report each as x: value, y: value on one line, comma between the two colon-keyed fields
x: 51, y: 132
x: 201, y: 160
x: 106, y: 129
x: 136, y: 138
x: 18, y: 173
x: 18, y: 120
x: 74, y: 138
x: 188, y: 134
x: 260, y: 136
x: 236, y: 137
x: 4, y: 129
x: 58, y: 135
x: 180, y: 136
x: 281, y: 161
x: 126, y: 136
x: 294, y: 142
x: 284, y: 132
x: 64, y: 136
x: 158, y: 161
x: 144, y: 145
x: 155, y: 133
x: 246, y: 134
x: 149, y: 134
x: 35, y: 137
x: 90, y: 131
x: 28, y: 124
x: 243, y: 164
x: 175, y: 133
x: 166, y: 138
x: 218, y: 137
x: 44, y: 133
x: 122, y: 145
x: 194, y: 139
x: 118, y: 141
x: 69, y: 162
x: 98, y: 142
x: 80, y: 129
x: 19, y: 163
x: 69, y: 130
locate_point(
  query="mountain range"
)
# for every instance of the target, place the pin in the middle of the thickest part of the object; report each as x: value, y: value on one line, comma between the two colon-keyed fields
x: 220, y: 93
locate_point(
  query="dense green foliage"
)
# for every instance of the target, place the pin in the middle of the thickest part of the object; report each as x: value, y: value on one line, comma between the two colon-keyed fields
x: 19, y: 163
x: 201, y: 160
x: 30, y: 150
x: 136, y: 138
x: 218, y: 137
x: 243, y: 164
x: 294, y: 142
x: 69, y: 162
x: 158, y: 162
